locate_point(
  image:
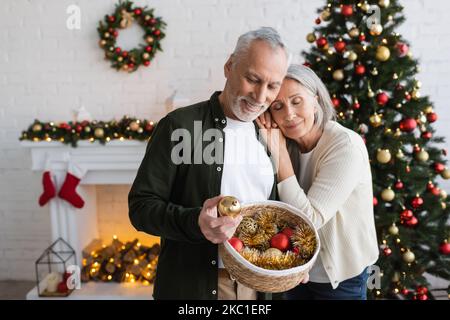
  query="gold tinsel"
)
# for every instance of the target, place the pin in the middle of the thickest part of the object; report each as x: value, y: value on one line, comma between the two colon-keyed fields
x: 286, y: 260
x: 304, y: 238
x: 259, y: 240
x: 251, y: 255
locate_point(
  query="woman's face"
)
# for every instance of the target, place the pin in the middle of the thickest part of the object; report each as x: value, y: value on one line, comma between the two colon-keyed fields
x: 293, y: 109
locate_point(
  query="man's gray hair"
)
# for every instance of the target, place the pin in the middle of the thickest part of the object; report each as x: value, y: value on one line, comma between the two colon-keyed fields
x: 267, y: 34
x: 309, y: 79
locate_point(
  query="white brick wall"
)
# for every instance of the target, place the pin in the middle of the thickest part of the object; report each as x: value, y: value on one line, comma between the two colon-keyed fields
x: 47, y: 70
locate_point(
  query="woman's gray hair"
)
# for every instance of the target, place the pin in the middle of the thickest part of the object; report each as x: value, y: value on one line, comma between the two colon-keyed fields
x: 267, y: 34
x: 309, y: 79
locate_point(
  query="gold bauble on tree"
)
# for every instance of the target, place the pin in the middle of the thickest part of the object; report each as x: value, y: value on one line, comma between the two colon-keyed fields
x: 383, y: 156
x: 445, y: 174
x: 325, y: 15
x: 310, y: 37
x: 376, y: 29
x: 393, y: 229
x: 338, y: 75
x: 229, y: 206
x: 384, y: 3
x: 382, y: 53
x: 422, y: 156
x: 352, y: 56
x: 408, y: 256
x: 388, y: 194
x: 354, y: 32
x: 375, y: 120
x: 415, y: 94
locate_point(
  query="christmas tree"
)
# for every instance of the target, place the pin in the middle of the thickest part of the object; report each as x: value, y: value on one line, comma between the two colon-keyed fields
x: 370, y: 74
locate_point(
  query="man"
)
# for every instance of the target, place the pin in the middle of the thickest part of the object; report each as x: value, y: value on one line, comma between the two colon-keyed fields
x: 176, y: 190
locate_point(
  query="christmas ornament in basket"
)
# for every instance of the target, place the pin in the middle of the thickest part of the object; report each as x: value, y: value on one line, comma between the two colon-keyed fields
x: 273, y: 248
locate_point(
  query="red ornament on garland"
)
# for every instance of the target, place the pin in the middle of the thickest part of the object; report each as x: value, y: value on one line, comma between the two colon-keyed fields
x: 124, y: 53
x: 146, y: 63
x: 148, y: 48
x: 280, y: 241
x: 360, y: 69
x: 118, y: 50
x: 157, y: 32
x: 416, y: 202
x: 111, y: 19
x: 339, y: 46
x: 382, y: 98
x: 408, y: 125
x: 444, y: 248
x: 432, y: 117
x: 347, y: 10
x: 236, y: 243
x: 321, y: 42
x: 137, y: 11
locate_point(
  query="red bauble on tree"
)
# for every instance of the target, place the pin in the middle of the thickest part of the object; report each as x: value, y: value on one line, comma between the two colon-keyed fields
x: 438, y: 167
x: 398, y: 185
x: 347, y: 10
x: 402, y: 49
x: 411, y: 222
x: 356, y: 105
x: 280, y: 241
x: 382, y: 98
x: 387, y: 251
x: 339, y: 46
x: 432, y: 117
x: 444, y: 248
x: 416, y: 202
x: 406, y: 214
x: 375, y: 201
x: 362, y: 37
x: 360, y: 69
x: 336, y: 102
x: 426, y: 135
x: 321, y: 42
x: 408, y: 124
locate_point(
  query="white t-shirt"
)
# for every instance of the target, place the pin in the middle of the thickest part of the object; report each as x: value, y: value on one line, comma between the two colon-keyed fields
x: 247, y: 170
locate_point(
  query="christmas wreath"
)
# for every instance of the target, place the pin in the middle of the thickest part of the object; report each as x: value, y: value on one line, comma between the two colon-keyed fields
x: 103, y: 131
x: 122, y: 18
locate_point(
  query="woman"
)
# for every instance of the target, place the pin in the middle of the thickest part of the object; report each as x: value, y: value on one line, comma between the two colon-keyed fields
x: 323, y: 169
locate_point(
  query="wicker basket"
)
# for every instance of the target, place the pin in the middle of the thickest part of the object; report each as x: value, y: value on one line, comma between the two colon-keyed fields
x: 260, y: 279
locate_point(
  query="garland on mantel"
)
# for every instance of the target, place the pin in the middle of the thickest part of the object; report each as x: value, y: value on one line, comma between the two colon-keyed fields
x: 103, y: 131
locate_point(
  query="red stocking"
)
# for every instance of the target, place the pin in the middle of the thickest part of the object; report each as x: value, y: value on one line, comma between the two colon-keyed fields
x: 68, y: 190
x: 49, y: 188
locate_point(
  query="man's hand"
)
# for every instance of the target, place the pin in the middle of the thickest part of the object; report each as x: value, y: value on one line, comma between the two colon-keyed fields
x: 216, y: 229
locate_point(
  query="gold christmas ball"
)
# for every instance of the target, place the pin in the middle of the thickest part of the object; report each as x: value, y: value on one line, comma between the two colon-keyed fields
x: 384, y: 3
x: 146, y: 55
x: 87, y: 129
x: 37, y: 127
x: 445, y: 174
x: 418, y: 84
x: 352, y: 56
x: 102, y: 43
x: 374, y: 72
x: 383, y: 156
x: 99, y: 132
x: 375, y: 120
x: 400, y: 155
x: 370, y: 93
x: 149, y: 39
x: 422, y: 156
x: 120, y: 59
x: 272, y: 253
x: 354, y: 32
x: 365, y: 7
x: 382, y: 53
x: 393, y: 229
x: 338, y: 75
x: 140, y: 130
x: 428, y: 109
x: 325, y: 15
x: 395, y: 76
x: 388, y: 194
x: 229, y: 206
x: 376, y: 29
x: 310, y: 37
x: 415, y: 94
x: 106, y: 35
x: 443, y: 194
x: 147, y: 17
x: 409, y: 256
x: 134, y: 126
x: 443, y: 205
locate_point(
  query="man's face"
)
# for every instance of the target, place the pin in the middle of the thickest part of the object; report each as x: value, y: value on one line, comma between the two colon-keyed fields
x: 254, y: 79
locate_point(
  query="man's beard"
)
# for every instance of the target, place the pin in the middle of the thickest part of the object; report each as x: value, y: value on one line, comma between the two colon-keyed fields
x: 247, y: 116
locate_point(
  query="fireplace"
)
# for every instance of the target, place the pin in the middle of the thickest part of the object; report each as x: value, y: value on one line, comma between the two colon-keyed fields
x: 111, y: 169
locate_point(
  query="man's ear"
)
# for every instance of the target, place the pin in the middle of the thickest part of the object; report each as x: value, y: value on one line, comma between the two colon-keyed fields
x: 227, y: 67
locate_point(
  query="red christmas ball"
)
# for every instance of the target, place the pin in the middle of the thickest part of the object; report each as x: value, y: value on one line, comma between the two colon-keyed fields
x: 430, y: 186
x: 436, y: 191
x: 236, y: 243
x: 137, y: 11
x: 427, y: 135
x: 84, y: 123
x: 336, y: 102
x: 362, y: 37
x: 115, y: 33
x: 408, y: 124
x: 412, y: 222
x: 405, y: 291
x: 375, y: 201
x: 287, y: 231
x: 152, y: 21
x: 444, y: 248
x: 318, y: 21
x: 360, y: 69
x: 118, y: 50
x: 422, y: 290
x: 296, y: 250
x: 149, y: 127
x: 78, y: 128
x: 438, y: 167
x: 347, y: 10
x: 339, y: 46
x: 146, y: 63
x: 131, y: 65
x: 387, y: 251
x: 406, y: 214
x: 407, y: 96
x: 111, y: 18
x: 402, y: 49
x: 124, y: 53
x: 321, y: 42
x: 280, y: 241
x: 398, y: 185
x: 62, y: 287
x: 416, y: 202
x: 416, y: 149
x: 356, y: 105
x: 423, y: 297
x: 432, y: 117
x: 157, y: 32
x: 382, y: 98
